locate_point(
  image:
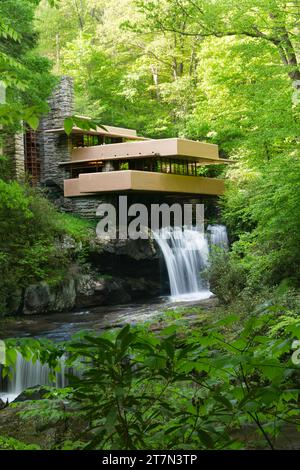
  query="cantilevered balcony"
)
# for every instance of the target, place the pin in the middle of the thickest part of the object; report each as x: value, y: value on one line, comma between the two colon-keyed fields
x: 164, y: 165
x: 179, y: 148
x: 141, y: 181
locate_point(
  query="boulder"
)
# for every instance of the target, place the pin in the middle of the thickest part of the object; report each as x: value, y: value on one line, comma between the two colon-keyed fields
x: 142, y: 288
x: 99, y: 290
x: 2, y: 404
x: 43, y: 298
x: 104, y: 290
x: 48, y: 432
x: 86, y: 290
x: 135, y: 249
x: 32, y: 393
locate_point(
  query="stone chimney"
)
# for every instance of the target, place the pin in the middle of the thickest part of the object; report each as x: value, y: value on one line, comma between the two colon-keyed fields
x: 55, y: 147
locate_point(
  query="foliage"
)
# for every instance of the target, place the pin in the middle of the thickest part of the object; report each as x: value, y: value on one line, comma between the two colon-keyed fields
x: 125, y: 78
x: 195, y: 391
x: 78, y: 228
x: 9, y: 443
x: 25, y: 74
x: 164, y: 69
x: 31, y: 236
x: 271, y: 21
x: 227, y: 276
x: 203, y: 388
x: 270, y: 252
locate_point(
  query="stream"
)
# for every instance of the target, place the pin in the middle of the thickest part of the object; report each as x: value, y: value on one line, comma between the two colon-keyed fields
x: 62, y: 326
x: 186, y: 254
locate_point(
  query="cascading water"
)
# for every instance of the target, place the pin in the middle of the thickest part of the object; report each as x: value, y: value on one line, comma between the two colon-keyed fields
x: 28, y: 374
x: 186, y: 256
x: 218, y: 236
x: 186, y: 253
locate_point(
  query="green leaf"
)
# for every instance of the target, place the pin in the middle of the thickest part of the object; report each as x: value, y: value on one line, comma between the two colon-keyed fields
x: 224, y: 401
x: 206, y: 439
x: 124, y: 332
x: 33, y: 121
x: 169, y: 346
x: 68, y: 125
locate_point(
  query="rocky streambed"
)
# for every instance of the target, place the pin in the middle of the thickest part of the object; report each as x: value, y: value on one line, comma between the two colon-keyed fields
x: 61, y: 326
x: 80, y: 290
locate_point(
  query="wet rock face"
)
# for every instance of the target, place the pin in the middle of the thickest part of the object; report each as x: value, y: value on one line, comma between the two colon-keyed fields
x: 130, y: 271
x: 43, y: 298
x: 112, y: 291
x: 141, y: 249
x: 2, y: 404
x: 103, y: 291
x: 86, y: 290
x: 32, y: 393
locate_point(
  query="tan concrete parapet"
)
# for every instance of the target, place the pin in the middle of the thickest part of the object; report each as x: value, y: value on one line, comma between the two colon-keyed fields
x: 178, y: 148
x: 132, y: 180
x: 71, y: 187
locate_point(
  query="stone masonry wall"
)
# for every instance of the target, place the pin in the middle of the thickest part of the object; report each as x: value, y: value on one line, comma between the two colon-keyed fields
x: 14, y: 150
x: 54, y: 147
x: 85, y: 206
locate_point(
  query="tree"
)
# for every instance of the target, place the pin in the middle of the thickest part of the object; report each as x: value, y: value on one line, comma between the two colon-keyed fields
x: 123, y: 76
x: 25, y: 74
x: 273, y: 21
x: 216, y: 71
x: 24, y: 254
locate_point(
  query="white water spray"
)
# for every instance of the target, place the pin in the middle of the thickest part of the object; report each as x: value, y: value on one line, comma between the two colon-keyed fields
x: 186, y: 253
x: 218, y: 236
x: 186, y: 256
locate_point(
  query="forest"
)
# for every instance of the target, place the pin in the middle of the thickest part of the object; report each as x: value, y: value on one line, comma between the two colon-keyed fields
x: 219, y: 375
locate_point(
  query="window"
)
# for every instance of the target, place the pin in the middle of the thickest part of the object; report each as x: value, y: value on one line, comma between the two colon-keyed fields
x: 86, y: 140
x: 32, y: 158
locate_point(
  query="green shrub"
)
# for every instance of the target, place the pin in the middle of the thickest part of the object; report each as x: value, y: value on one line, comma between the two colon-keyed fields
x: 180, y: 388
x: 227, y: 276
x: 263, y: 213
x: 9, y: 443
x: 74, y: 226
x: 31, y: 232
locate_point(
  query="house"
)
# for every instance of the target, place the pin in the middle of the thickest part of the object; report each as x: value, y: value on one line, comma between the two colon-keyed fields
x: 89, y: 165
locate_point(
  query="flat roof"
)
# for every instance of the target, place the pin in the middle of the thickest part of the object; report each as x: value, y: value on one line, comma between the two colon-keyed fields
x: 108, y: 131
x: 169, y: 148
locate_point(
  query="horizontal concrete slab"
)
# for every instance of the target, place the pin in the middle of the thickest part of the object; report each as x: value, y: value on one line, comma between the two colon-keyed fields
x: 180, y: 148
x: 140, y: 181
x: 108, y: 131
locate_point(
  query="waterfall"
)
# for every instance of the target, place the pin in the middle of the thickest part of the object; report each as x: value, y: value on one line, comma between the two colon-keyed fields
x: 186, y: 255
x: 218, y: 236
x: 28, y: 374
